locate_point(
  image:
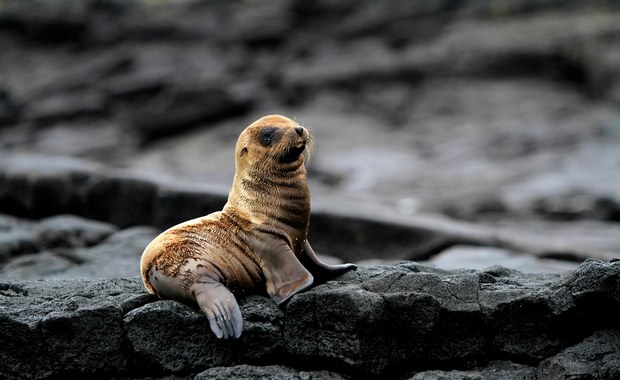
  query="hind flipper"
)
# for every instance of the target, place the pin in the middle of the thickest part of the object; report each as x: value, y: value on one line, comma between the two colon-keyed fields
x: 320, y: 270
x: 220, y: 306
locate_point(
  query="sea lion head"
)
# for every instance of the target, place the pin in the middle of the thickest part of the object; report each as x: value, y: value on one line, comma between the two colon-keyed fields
x: 273, y: 141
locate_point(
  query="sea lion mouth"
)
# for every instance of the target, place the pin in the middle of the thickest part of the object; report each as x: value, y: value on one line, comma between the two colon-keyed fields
x: 293, y: 152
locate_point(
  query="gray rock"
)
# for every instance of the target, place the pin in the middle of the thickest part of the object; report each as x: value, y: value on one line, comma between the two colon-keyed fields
x: 176, y: 205
x: 497, y: 370
x: 186, y: 105
x: 9, y: 111
x: 117, y: 256
x: 8, y: 222
x: 65, y: 106
x: 133, y: 85
x: 17, y: 237
x: 16, y: 242
x: 353, y: 65
x: 523, y: 323
x: 69, y: 327
x: 263, y: 326
x: 54, y: 93
x: 272, y: 372
x: 359, y: 235
x: 68, y: 250
x: 135, y: 197
x: 382, y: 321
x: 72, y: 231
x: 39, y: 186
x: 163, y: 351
x: 576, y: 205
x: 198, y: 348
x: 55, y: 21
x: 32, y: 266
x: 575, y: 241
x: 247, y: 23
x: 417, y: 310
x: 593, y: 280
x: 470, y: 257
x: 596, y: 357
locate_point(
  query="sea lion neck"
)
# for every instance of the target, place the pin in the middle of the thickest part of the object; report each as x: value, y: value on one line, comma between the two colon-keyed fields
x: 276, y: 201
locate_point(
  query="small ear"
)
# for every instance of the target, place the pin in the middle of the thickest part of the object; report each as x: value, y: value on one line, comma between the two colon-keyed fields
x: 243, y: 151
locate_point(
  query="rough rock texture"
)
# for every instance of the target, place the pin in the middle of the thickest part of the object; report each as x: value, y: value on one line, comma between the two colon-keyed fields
x: 496, y: 370
x: 404, y: 321
x: 275, y: 372
x: 61, y: 327
x: 595, y: 357
x: 68, y: 246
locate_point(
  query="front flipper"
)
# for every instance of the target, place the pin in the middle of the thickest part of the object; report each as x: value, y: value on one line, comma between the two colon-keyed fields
x: 321, y: 271
x: 284, y: 274
x: 220, y: 306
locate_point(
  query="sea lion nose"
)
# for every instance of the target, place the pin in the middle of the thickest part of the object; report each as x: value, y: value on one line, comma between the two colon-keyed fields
x: 299, y: 130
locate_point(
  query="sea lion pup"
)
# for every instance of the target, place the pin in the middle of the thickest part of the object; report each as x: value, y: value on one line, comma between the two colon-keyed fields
x: 259, y: 239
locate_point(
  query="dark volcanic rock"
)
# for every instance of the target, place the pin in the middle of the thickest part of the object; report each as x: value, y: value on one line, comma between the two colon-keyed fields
x: 46, y: 21
x: 108, y: 195
x: 247, y: 24
x: 66, y: 106
x: 71, y: 247
x: 17, y: 242
x: 117, y: 256
x: 359, y: 236
x: 272, y: 372
x: 596, y: 357
x: 176, y: 205
x: 36, y: 265
x: 73, y: 231
x: 261, y: 338
x: 497, y: 370
x: 420, y: 318
x: 39, y: 186
x: 70, y: 327
x: 163, y: 351
x: 383, y: 320
x: 186, y: 105
x: 577, y: 205
x: 17, y: 237
x: 8, y: 109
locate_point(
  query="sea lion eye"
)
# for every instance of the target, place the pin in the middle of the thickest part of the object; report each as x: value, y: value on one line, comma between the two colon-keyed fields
x: 267, y: 136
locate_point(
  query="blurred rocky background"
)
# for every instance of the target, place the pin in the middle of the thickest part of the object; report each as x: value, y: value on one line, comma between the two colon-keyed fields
x: 490, y: 123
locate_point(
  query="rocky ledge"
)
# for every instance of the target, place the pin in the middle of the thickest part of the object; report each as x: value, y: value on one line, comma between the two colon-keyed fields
x: 401, y: 321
